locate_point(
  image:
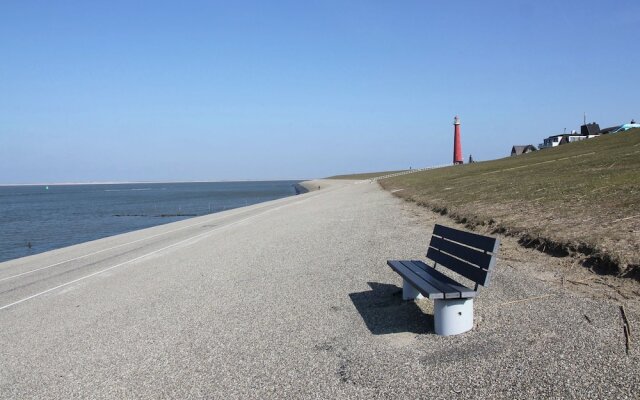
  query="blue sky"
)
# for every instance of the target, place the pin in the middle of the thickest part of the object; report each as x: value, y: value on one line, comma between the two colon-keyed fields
x: 134, y: 90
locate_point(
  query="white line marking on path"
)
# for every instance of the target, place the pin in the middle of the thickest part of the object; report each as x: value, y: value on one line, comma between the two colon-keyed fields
x: 151, y: 253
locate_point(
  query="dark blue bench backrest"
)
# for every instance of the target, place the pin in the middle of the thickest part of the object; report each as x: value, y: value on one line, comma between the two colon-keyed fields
x: 468, y: 254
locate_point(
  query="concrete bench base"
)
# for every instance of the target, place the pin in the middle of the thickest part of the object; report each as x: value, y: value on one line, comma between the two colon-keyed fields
x: 452, y: 316
x: 409, y: 292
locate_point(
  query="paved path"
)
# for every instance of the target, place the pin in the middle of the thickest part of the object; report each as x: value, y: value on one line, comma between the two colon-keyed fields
x: 289, y: 299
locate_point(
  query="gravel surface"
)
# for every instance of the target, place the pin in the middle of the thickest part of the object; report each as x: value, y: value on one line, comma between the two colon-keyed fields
x: 293, y: 299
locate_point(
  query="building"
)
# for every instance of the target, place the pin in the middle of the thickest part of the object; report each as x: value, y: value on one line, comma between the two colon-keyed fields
x: 522, y: 149
x: 620, y: 128
x: 587, y: 131
x: 556, y: 140
x: 591, y: 129
x: 564, y: 138
x: 575, y: 138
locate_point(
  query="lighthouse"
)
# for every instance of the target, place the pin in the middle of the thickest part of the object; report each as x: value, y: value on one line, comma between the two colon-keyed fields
x: 457, y: 145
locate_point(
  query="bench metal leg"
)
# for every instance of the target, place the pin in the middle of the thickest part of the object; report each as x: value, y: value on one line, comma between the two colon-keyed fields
x: 409, y: 292
x: 452, y: 316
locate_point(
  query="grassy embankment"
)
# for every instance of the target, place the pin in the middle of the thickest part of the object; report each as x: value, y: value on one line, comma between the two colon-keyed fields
x: 368, y: 175
x: 582, y: 198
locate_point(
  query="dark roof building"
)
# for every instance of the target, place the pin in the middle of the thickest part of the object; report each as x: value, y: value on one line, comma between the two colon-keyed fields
x: 522, y: 149
x: 590, y: 129
x: 609, y: 129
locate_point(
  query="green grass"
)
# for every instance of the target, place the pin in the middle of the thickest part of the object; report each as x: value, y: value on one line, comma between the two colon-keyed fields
x: 368, y: 175
x: 583, y: 196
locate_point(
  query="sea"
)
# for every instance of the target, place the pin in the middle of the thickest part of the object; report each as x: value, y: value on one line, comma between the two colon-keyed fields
x: 39, y: 218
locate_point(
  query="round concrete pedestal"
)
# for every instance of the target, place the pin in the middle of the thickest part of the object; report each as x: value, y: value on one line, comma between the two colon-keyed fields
x: 452, y: 317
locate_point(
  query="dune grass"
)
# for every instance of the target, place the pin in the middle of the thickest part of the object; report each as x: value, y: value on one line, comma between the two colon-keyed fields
x: 581, y: 197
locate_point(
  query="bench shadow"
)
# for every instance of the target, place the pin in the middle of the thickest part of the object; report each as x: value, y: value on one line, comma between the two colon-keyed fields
x: 384, y: 311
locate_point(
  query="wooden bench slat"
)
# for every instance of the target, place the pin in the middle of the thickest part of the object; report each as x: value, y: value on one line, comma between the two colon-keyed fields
x: 464, y: 291
x: 481, y: 242
x: 425, y: 273
x: 492, y: 264
x: 468, y: 254
x: 461, y: 267
x: 423, y: 287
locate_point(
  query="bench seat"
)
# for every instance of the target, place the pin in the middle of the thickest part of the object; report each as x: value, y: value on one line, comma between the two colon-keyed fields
x: 430, y: 282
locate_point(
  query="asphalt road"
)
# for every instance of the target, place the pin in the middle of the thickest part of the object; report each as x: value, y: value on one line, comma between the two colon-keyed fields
x: 289, y: 299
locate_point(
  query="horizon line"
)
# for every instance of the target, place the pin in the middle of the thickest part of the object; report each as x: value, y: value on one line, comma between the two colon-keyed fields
x: 146, y: 182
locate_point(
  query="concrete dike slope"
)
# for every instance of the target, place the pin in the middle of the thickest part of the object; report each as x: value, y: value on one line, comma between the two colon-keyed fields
x: 293, y: 299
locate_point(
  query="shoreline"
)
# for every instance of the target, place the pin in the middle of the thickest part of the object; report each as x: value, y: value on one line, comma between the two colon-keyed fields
x: 143, y: 182
x: 119, y: 213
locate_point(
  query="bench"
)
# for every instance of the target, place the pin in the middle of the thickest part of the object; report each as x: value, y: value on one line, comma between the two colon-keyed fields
x: 470, y: 255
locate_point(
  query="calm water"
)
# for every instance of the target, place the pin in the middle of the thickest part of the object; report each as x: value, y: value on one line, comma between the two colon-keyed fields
x: 64, y: 215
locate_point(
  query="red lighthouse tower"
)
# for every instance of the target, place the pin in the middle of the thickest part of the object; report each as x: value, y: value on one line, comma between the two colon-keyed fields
x: 457, y: 145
